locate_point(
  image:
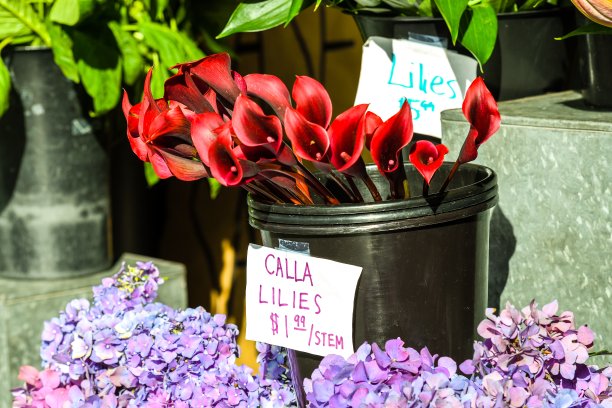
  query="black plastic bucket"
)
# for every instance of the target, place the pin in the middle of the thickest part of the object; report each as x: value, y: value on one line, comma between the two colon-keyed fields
x: 425, y: 262
x: 526, y: 60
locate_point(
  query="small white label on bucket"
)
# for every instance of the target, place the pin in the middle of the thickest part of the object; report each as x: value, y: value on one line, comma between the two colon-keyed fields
x: 299, y: 301
x: 429, y: 77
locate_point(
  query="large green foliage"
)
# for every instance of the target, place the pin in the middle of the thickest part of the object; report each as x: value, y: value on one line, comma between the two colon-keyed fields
x: 102, y: 44
x: 472, y: 23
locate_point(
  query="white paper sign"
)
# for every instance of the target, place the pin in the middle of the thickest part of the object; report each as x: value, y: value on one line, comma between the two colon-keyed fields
x: 299, y: 301
x: 430, y: 77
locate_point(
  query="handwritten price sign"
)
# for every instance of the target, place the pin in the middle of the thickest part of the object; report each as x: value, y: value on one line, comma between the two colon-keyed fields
x: 300, y: 302
x: 429, y: 77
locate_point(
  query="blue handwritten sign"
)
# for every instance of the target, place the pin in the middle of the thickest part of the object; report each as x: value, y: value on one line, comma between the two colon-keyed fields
x: 300, y: 302
x: 429, y: 77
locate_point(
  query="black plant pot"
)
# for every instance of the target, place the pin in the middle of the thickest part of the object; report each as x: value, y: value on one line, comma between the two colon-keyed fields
x: 596, y: 69
x: 54, y: 198
x: 425, y: 262
x: 526, y: 61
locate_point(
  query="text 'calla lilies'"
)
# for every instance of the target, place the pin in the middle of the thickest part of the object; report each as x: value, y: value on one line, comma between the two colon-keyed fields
x: 252, y: 132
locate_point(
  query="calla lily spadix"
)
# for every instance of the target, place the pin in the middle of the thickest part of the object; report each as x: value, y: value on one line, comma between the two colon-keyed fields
x: 253, y: 132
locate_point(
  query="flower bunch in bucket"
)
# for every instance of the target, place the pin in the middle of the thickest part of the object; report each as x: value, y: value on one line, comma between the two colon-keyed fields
x: 285, y: 148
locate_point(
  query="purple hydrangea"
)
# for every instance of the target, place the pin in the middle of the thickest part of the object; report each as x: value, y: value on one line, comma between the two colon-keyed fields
x: 530, y: 358
x: 125, y: 350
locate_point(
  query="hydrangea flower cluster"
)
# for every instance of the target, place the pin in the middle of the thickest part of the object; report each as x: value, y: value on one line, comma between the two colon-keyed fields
x: 529, y: 355
x: 532, y: 358
x: 124, y: 350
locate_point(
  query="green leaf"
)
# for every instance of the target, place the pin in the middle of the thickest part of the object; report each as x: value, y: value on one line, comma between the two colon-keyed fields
x: 260, y: 16
x: 70, y: 12
x: 150, y: 175
x: 451, y: 11
x: 158, y: 78
x: 480, y: 34
x: 590, y: 28
x: 99, y: 68
x: 11, y: 26
x: 23, y: 12
x: 61, y: 44
x: 503, y: 6
x: 296, y: 7
x: 173, y: 47
x: 161, y: 5
x: 215, y: 187
x: 5, y: 82
x: 132, y: 62
x: 531, y: 4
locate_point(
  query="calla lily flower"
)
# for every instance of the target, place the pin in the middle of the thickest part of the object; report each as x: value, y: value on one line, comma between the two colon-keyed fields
x: 390, y: 138
x: 309, y: 140
x: 269, y: 89
x: 182, y: 88
x: 215, y: 71
x: 371, y: 122
x: 254, y: 128
x: 347, y: 138
x: 225, y: 166
x: 162, y: 136
x: 599, y: 11
x: 480, y: 109
x: 312, y: 100
x: 202, y: 132
x: 427, y: 157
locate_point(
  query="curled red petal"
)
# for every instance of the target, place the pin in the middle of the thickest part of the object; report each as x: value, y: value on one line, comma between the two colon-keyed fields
x: 138, y: 146
x: 240, y: 82
x: 202, y: 132
x: 309, y: 140
x: 183, y: 168
x: 159, y: 164
x: 480, y: 109
x: 390, y: 138
x: 427, y: 157
x: 253, y: 127
x: 182, y: 88
x: 312, y: 100
x: 371, y: 122
x: 224, y: 164
x: 347, y: 137
x: 215, y: 71
x: 269, y: 89
x: 171, y: 122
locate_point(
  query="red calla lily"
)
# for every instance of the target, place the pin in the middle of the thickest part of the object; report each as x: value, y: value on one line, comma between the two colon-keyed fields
x: 161, y: 135
x: 390, y: 138
x: 269, y: 89
x: 480, y: 109
x: 371, y: 122
x: 202, y: 132
x: 181, y: 88
x: 215, y: 71
x: 312, y: 100
x: 427, y: 157
x: 254, y: 128
x: 347, y: 138
x: 225, y: 165
x: 308, y: 140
